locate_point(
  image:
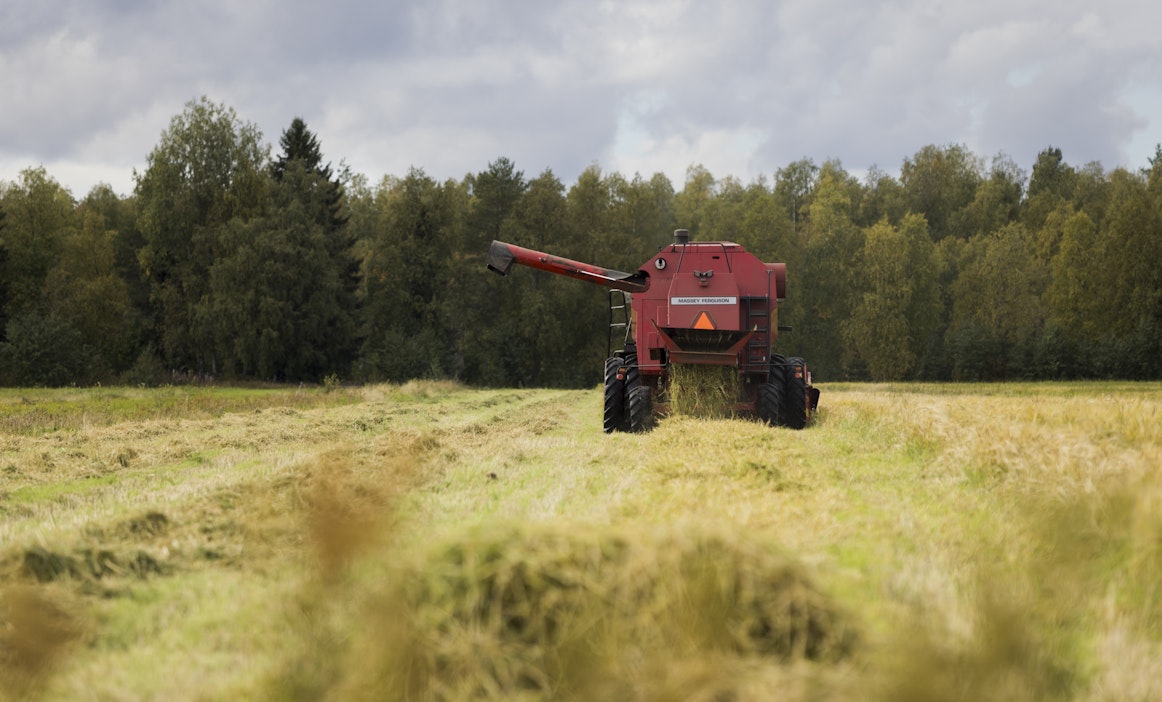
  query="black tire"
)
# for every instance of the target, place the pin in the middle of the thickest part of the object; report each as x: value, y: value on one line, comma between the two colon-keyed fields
x: 796, y: 400
x: 614, y: 396
x: 769, y: 396
x: 638, y: 408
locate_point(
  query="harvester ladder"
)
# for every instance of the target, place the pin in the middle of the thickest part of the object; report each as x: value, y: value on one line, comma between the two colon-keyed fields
x: 757, y: 315
x: 619, y: 322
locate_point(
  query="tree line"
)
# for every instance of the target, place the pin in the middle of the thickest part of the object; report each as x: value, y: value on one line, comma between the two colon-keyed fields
x: 229, y: 262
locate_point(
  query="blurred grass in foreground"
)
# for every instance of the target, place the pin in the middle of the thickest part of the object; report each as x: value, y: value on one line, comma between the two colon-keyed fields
x: 435, y: 542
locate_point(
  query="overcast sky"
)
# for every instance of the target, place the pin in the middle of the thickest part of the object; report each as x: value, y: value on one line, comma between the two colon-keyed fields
x: 639, y: 86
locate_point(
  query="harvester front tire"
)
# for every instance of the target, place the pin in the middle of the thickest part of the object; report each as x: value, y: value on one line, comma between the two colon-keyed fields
x: 769, y: 401
x: 614, y: 419
x: 795, y: 396
x: 769, y: 396
x: 638, y: 408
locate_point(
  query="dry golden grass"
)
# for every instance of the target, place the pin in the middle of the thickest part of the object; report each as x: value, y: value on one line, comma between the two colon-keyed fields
x: 39, y: 628
x: 577, y: 612
x: 702, y: 391
x: 428, y: 541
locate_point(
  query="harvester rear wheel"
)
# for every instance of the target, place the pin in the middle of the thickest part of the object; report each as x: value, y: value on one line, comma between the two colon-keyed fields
x: 638, y: 408
x: 614, y: 396
x: 795, y: 397
x: 769, y: 396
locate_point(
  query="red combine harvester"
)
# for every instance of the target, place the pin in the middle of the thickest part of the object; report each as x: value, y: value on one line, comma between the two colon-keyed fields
x: 708, y: 303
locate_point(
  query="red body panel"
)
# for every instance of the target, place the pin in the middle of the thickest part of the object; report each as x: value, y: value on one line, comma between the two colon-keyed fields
x: 707, y: 284
x: 702, y: 302
x: 709, y: 303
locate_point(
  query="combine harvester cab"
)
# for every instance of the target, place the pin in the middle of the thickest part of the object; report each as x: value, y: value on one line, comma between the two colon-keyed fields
x: 694, y: 303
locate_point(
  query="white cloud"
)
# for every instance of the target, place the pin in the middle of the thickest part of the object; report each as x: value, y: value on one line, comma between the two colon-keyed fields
x: 742, y: 87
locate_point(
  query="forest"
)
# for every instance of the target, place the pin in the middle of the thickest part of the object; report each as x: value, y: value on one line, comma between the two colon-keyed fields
x: 234, y: 260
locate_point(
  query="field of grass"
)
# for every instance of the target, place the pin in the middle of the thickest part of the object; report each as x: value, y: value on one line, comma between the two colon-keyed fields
x: 429, y: 541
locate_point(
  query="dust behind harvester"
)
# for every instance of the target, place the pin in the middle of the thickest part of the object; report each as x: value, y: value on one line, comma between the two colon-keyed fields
x: 694, y: 303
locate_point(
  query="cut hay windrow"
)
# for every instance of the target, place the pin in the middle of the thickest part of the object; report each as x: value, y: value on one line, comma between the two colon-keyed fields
x: 702, y: 391
x: 558, y: 611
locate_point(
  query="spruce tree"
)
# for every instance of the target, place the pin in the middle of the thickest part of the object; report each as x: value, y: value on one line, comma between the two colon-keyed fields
x: 303, y: 178
x: 300, y: 144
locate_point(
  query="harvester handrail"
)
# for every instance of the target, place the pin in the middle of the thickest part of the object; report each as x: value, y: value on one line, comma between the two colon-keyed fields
x: 682, y: 253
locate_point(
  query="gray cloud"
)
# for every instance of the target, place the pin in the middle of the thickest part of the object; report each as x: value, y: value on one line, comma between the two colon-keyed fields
x: 741, y: 87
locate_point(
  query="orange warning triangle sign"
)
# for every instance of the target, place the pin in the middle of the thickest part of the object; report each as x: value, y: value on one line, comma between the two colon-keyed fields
x: 703, y: 321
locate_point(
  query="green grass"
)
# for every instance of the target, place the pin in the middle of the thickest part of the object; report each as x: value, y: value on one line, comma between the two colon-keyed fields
x: 429, y: 541
x: 31, y: 412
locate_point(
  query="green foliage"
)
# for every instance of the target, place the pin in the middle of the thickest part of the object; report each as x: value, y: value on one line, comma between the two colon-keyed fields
x: 85, y: 288
x: 1051, y: 175
x: 147, y: 370
x: 405, y: 269
x: 299, y: 145
x: 643, y: 210
x: 998, y: 298
x: 495, y: 194
x: 1132, y: 235
x: 67, y: 314
x: 43, y: 350
x: 1074, y: 295
x: 830, y: 273
x: 321, y: 194
x: 1001, y: 285
x: 883, y: 198
x: 794, y: 187
x: 997, y: 201
x: 38, y: 216
x: 227, y: 262
x: 938, y: 183
x: 207, y: 171
x: 1051, y: 184
x: 277, y: 295
x: 976, y: 353
x: 696, y: 202
x: 891, y: 324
